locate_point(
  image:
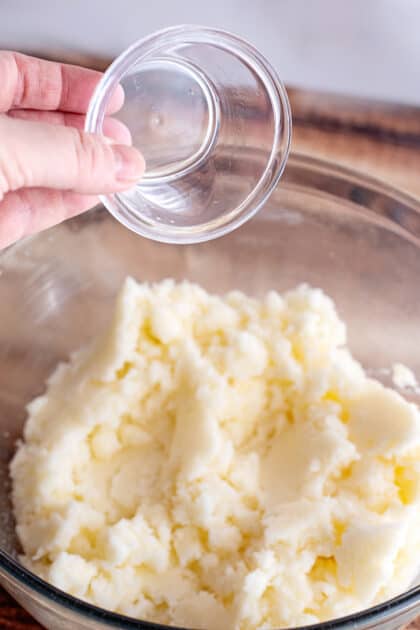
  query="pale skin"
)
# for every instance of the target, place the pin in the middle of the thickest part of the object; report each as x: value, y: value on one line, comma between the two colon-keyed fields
x: 50, y: 169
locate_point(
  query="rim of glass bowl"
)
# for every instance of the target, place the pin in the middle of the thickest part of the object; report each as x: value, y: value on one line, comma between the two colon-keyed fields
x: 322, y: 179
x: 190, y: 33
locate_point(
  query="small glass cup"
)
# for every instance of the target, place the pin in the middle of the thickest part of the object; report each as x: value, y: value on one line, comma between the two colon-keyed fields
x: 196, y: 100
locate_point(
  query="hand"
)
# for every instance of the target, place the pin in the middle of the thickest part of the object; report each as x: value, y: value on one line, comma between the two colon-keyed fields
x: 50, y: 169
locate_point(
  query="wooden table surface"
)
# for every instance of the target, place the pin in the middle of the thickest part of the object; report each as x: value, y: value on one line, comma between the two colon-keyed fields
x: 377, y: 139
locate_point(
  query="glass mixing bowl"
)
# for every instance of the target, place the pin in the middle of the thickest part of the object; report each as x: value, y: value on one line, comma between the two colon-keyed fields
x: 355, y: 238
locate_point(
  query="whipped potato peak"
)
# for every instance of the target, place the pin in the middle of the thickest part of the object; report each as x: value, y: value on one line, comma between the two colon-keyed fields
x: 220, y: 462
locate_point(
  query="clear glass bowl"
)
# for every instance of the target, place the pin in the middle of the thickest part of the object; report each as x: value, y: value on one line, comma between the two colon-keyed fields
x: 356, y: 238
x: 196, y: 98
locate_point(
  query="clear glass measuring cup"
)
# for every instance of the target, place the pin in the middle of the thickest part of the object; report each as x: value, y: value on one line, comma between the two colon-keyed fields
x: 196, y: 100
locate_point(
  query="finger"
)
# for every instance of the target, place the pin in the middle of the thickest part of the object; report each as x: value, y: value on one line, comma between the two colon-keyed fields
x: 34, y: 154
x: 31, y: 83
x: 34, y: 209
x: 112, y: 127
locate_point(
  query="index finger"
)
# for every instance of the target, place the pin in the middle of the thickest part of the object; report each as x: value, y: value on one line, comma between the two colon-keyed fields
x: 31, y: 83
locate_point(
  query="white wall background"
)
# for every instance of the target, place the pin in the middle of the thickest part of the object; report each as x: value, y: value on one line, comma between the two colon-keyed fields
x: 367, y: 48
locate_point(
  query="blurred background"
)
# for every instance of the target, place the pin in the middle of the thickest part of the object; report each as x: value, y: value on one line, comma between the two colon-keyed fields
x: 366, y: 48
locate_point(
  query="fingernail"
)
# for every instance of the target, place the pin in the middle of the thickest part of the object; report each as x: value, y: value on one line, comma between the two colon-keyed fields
x: 129, y: 163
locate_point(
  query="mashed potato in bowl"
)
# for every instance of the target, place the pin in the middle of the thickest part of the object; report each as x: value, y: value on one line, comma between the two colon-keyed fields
x: 220, y: 462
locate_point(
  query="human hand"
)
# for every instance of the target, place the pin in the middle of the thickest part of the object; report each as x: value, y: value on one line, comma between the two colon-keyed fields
x: 50, y: 169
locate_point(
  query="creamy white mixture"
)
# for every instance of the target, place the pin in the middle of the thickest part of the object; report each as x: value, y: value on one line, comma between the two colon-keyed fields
x: 404, y: 378
x: 220, y: 463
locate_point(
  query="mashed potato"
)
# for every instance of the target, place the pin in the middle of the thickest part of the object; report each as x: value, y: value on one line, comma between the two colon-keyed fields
x: 220, y: 463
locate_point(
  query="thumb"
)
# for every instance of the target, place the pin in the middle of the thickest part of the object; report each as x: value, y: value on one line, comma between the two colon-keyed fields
x: 34, y: 154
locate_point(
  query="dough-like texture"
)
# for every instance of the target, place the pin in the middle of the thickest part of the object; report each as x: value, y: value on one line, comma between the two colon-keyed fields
x: 404, y: 378
x: 220, y: 462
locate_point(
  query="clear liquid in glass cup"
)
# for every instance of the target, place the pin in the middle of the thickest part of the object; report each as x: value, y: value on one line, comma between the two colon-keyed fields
x: 196, y: 99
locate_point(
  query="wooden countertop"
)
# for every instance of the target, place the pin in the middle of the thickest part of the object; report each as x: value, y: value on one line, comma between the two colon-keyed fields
x: 377, y: 139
